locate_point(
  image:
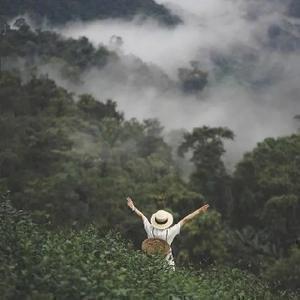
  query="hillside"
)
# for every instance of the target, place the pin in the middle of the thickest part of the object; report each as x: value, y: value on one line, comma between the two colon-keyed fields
x: 70, y: 155
x: 60, y: 12
x: 69, y: 161
x: 37, y: 263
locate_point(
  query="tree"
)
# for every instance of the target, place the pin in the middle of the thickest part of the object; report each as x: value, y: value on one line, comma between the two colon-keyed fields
x: 98, y: 110
x: 4, y: 45
x: 210, y: 177
x: 266, y: 190
x: 22, y: 25
x: 281, y: 218
x: 62, y: 11
x: 193, y: 80
x: 204, y: 240
x: 285, y: 273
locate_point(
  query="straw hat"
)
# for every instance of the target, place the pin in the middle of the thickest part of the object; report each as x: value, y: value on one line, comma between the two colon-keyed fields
x: 162, y: 219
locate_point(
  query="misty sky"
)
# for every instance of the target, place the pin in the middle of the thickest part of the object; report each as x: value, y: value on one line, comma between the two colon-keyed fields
x: 248, y: 49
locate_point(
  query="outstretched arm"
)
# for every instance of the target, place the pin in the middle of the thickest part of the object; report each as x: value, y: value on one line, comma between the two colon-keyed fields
x: 191, y: 216
x: 133, y: 208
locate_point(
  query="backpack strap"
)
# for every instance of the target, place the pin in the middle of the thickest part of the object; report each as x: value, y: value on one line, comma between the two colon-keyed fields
x: 167, y: 232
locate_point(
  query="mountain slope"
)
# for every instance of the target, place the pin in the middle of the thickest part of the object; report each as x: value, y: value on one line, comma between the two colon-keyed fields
x: 59, y: 12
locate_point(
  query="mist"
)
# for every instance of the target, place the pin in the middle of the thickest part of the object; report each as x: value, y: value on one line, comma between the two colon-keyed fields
x: 250, y: 50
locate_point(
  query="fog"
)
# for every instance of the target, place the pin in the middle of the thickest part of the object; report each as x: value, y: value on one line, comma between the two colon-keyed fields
x: 250, y: 50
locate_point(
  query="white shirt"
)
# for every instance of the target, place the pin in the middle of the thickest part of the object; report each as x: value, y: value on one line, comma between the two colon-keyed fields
x: 165, y: 234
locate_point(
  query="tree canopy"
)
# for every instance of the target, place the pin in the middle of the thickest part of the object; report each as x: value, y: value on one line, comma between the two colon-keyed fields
x: 70, y: 160
x: 62, y: 11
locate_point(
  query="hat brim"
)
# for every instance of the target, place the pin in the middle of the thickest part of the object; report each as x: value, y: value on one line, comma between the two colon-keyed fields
x: 162, y: 226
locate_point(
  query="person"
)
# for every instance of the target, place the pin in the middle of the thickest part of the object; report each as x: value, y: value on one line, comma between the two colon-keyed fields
x: 160, y: 225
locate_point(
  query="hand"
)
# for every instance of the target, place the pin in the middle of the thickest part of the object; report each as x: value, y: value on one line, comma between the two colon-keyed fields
x: 130, y: 203
x: 204, y: 208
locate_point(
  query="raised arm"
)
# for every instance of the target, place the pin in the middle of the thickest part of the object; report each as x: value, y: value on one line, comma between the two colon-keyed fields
x: 191, y: 216
x: 133, y: 208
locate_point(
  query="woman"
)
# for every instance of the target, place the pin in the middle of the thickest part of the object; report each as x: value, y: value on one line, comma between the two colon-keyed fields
x: 160, y: 225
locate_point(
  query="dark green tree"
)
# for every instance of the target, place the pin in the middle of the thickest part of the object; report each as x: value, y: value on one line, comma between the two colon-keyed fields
x: 210, y: 177
x: 192, y: 79
x: 266, y: 190
x: 63, y: 11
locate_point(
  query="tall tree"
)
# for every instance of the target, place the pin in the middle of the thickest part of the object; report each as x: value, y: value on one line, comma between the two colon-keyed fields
x: 210, y: 177
x: 267, y: 190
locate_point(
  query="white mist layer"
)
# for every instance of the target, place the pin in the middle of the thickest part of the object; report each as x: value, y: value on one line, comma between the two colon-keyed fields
x: 258, y: 98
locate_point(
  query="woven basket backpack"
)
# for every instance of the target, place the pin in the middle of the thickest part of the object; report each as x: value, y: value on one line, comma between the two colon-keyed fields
x: 156, y: 246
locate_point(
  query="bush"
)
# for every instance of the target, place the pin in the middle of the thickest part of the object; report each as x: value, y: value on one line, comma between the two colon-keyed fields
x: 285, y: 273
x: 40, y: 264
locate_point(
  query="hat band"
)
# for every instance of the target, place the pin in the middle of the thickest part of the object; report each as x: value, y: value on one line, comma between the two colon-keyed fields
x: 161, y: 222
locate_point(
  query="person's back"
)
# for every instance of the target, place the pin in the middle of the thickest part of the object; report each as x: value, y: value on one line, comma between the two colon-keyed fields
x: 160, y: 227
x: 164, y: 233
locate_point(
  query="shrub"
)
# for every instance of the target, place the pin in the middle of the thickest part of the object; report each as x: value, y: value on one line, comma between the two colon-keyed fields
x: 40, y: 264
x: 285, y: 273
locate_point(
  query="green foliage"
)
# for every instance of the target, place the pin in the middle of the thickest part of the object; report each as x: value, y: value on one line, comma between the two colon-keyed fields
x: 250, y: 249
x: 210, y: 176
x: 75, y: 160
x: 60, y: 12
x: 280, y: 216
x: 73, y: 163
x: 193, y: 80
x: 42, y: 47
x: 97, y: 110
x: 266, y: 208
x: 40, y: 264
x: 204, y: 240
x: 285, y: 272
x: 267, y: 191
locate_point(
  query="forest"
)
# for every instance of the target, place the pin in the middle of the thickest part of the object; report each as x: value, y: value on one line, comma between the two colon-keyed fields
x: 60, y: 12
x: 68, y: 162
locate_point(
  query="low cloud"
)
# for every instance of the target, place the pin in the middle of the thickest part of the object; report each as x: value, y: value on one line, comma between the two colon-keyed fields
x: 253, y: 83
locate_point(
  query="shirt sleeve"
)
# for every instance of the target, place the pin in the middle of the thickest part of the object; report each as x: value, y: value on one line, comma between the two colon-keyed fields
x: 147, y: 226
x: 173, y: 231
